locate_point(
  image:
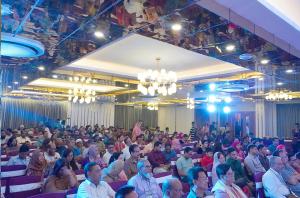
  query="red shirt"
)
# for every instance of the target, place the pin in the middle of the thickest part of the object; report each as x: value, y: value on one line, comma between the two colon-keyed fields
x: 119, y: 146
x: 206, y: 160
x: 156, y: 158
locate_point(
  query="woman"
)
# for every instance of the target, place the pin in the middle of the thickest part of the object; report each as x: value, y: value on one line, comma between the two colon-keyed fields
x: 199, y: 183
x: 219, y: 158
x: 238, y: 148
x: 69, y: 157
x: 113, y: 171
x: 136, y: 130
x: 93, y: 155
x: 37, y: 164
x: 62, y: 179
x: 225, y: 188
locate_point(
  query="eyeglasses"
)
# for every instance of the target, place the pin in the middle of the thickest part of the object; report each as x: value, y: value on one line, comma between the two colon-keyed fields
x: 148, y: 166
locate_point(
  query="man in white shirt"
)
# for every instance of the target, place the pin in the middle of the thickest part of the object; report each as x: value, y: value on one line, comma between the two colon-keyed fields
x: 23, y: 139
x: 172, y: 188
x: 92, y: 186
x: 273, y: 183
x: 108, y: 153
x: 22, y: 158
x: 125, y: 151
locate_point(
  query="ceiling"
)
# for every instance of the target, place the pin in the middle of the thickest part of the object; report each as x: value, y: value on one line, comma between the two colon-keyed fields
x: 136, y: 53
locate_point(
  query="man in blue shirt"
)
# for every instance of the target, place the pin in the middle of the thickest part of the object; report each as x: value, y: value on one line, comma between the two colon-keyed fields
x: 168, y: 152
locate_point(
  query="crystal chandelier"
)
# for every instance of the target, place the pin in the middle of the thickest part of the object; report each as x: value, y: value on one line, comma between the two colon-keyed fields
x: 82, y: 94
x: 157, y: 81
x: 279, y: 95
x: 152, y: 106
x: 190, y: 102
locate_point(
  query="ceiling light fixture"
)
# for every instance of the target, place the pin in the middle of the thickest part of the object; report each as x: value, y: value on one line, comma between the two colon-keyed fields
x: 41, y: 68
x: 289, y: 71
x: 261, y: 79
x: 230, y: 47
x: 25, y: 77
x: 264, y: 61
x: 212, y: 86
x: 226, y: 109
x: 152, y: 106
x: 16, y: 82
x: 9, y: 87
x: 99, y: 34
x: 279, y: 95
x: 176, y: 27
x: 155, y: 81
x: 190, y: 102
x: 126, y: 85
x: 228, y: 99
x: 280, y: 83
x: 211, y: 108
x: 54, y: 76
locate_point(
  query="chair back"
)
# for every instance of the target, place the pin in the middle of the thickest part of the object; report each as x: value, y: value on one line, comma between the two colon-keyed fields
x: 4, y: 160
x: 117, y: 184
x: 24, y: 186
x: 258, y: 185
x: 161, y: 177
x: 13, y: 171
x: 50, y: 195
x: 80, y: 175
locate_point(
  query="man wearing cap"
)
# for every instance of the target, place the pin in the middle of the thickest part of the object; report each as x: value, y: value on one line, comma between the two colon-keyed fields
x: 22, y: 158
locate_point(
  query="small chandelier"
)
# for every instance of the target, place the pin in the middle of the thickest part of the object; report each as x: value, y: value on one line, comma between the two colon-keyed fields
x: 155, y: 81
x: 152, y: 106
x: 190, y: 102
x: 279, y: 95
x: 82, y: 94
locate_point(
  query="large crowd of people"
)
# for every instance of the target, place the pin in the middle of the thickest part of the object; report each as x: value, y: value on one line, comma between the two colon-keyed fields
x: 226, y: 165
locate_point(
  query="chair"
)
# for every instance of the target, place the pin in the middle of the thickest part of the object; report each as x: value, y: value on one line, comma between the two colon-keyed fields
x: 117, y: 184
x: 160, y: 177
x: 4, y: 160
x: 24, y: 186
x: 3, y: 187
x: 258, y: 185
x: 72, y: 193
x: 13, y: 171
x: 50, y: 195
x: 80, y: 175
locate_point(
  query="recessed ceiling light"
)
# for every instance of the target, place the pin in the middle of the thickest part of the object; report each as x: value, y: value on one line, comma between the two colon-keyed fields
x: 201, y: 91
x: 289, y: 71
x: 280, y: 83
x: 16, y: 82
x: 176, y: 27
x: 99, y: 34
x: 126, y: 85
x: 261, y: 79
x: 133, y: 97
x: 41, y: 68
x: 9, y: 87
x: 25, y: 77
x: 230, y: 47
x: 54, y: 76
x: 264, y: 61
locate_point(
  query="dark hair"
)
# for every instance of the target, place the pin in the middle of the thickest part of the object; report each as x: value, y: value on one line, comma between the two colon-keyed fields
x: 24, y: 148
x: 277, y: 152
x: 208, y: 150
x: 132, y: 147
x: 259, y: 147
x: 187, y: 149
x: 168, y: 144
x: 230, y: 150
x: 88, y: 167
x: 156, y: 144
x: 120, y: 135
x: 193, y: 174
x: 10, y: 141
x: 123, y: 191
x: 72, y: 163
x: 222, y: 169
x: 58, y: 166
x: 114, y: 157
x: 250, y: 146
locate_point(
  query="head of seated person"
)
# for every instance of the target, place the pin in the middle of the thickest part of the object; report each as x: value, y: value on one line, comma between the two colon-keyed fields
x: 198, y: 181
x: 126, y: 192
x: 172, y: 188
x: 70, y: 160
x: 113, y: 172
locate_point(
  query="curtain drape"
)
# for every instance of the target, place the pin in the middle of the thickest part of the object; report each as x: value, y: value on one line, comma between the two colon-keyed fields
x: 31, y: 112
x: 127, y: 116
x: 287, y: 116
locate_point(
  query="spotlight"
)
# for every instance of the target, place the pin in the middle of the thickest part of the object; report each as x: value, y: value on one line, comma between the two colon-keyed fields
x: 212, y: 86
x: 264, y: 61
x: 99, y: 34
x: 228, y: 99
x: 41, y: 68
x: 289, y: 71
x: 211, y: 108
x: 16, y: 82
x: 25, y: 77
x: 230, y: 47
x: 212, y: 98
x: 176, y: 27
x: 54, y: 76
x: 280, y: 83
x: 226, y: 109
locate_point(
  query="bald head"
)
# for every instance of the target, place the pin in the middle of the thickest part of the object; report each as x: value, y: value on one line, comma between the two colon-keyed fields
x: 172, y: 188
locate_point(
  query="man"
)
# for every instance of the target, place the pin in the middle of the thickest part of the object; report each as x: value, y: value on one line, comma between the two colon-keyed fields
x: 273, y: 183
x: 92, y: 186
x: 109, y: 152
x: 168, y: 152
x: 144, y: 183
x: 78, y: 148
x: 119, y: 145
x: 193, y: 132
x: 22, y: 158
x: 130, y: 166
x: 126, y: 192
x: 184, y: 163
x: 274, y: 144
x: 125, y: 151
x: 172, y: 188
x: 252, y: 162
x: 157, y: 159
x: 23, y: 139
x: 262, y: 156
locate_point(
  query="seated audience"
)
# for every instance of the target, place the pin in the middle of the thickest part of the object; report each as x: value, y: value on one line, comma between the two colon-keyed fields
x: 78, y: 149
x: 197, y: 148
x: 225, y: 187
x: 12, y: 145
x: 273, y: 182
x: 60, y: 146
x: 172, y: 188
x: 205, y: 145
x: 169, y: 153
x: 22, y: 158
x: 176, y: 145
x: 119, y: 145
x: 149, y: 147
x: 144, y: 183
x: 92, y: 186
x: 295, y: 162
x: 70, y: 161
x: 157, y: 159
x: 62, y: 179
x: 273, y: 146
x: 252, y: 162
x: 37, y: 164
x: 126, y: 192
x: 198, y: 182
x: 184, y: 163
x: 109, y: 152
x: 207, y: 159
x: 219, y: 158
x: 50, y: 156
x: 238, y: 148
x: 130, y: 166
x: 23, y: 139
x: 113, y: 172
x: 262, y: 156
x: 93, y: 155
x: 125, y: 151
